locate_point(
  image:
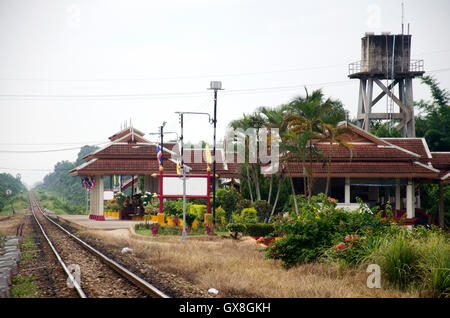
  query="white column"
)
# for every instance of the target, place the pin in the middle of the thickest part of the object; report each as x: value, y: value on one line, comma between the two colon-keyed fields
x: 398, y: 198
x: 92, y: 201
x: 347, y: 190
x: 148, y: 183
x: 100, y: 194
x: 410, y: 208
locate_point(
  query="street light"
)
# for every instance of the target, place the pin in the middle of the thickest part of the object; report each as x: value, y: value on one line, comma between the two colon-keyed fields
x: 181, y: 114
x: 215, y: 85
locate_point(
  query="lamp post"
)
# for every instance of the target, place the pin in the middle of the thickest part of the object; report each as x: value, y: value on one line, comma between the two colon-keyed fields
x: 183, y: 168
x: 215, y: 85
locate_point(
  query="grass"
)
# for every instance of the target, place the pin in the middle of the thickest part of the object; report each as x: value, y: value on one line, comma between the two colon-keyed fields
x: 24, y: 287
x: 19, y: 202
x: 416, y: 261
x: 175, y: 231
x: 238, y: 268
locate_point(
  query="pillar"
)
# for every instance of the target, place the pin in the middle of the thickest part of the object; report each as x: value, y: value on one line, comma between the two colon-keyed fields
x: 410, y: 207
x: 97, y: 211
x: 347, y: 190
x: 398, y: 198
x: 441, y: 205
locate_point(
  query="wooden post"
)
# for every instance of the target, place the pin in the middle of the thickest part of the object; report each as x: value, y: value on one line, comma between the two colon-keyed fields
x: 208, y: 189
x: 161, y: 169
x: 410, y: 208
x: 398, y: 198
x: 347, y: 190
x: 441, y: 205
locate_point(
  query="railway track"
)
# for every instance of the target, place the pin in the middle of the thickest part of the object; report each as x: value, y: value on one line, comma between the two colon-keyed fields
x: 89, y: 272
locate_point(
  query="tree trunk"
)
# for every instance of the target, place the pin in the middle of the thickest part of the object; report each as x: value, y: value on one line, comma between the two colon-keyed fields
x: 280, y: 182
x: 256, y: 176
x: 270, y: 189
x: 249, y: 181
x: 329, y: 168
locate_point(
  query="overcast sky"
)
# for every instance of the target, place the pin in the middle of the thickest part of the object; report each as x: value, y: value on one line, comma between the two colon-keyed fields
x: 72, y: 71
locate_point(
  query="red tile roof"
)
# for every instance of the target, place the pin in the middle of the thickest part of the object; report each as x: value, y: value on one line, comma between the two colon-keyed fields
x: 365, y: 169
x: 371, y: 157
x: 415, y: 145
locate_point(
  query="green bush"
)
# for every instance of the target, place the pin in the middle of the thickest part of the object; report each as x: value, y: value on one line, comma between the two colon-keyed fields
x: 247, y: 215
x: 199, y: 210
x: 399, y: 260
x: 258, y: 229
x: 243, y: 204
x: 263, y: 209
x: 190, y: 218
x: 220, y: 215
x: 435, y: 264
x: 227, y: 199
x: 318, y: 226
x: 236, y: 229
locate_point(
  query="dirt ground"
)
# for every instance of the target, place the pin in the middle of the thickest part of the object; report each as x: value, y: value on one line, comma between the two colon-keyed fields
x: 238, y: 268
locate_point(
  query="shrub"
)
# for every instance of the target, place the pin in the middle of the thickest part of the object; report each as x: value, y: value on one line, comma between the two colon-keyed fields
x: 243, y: 204
x: 317, y: 228
x: 235, y: 229
x: 258, y: 229
x: 208, y: 218
x: 435, y: 262
x: 227, y: 199
x: 399, y: 260
x: 263, y: 209
x: 220, y: 215
x: 247, y: 215
x: 120, y: 199
x: 190, y: 218
x: 199, y: 210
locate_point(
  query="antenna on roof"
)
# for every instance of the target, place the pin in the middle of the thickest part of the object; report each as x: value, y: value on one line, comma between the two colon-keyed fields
x: 403, y: 16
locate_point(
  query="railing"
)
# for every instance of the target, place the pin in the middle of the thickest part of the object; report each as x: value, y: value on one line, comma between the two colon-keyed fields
x: 358, y: 67
x: 362, y: 66
x: 416, y: 66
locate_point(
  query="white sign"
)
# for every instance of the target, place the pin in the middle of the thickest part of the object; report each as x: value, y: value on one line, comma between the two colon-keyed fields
x: 194, y: 186
x: 108, y: 195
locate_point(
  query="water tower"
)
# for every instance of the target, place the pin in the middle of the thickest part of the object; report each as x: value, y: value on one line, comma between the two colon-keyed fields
x: 386, y: 58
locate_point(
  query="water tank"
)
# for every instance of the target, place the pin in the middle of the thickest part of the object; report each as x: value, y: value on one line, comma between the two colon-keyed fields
x: 376, y: 54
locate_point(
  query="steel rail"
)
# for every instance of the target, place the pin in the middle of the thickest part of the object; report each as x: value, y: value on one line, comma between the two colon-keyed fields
x: 69, y: 274
x: 139, y: 282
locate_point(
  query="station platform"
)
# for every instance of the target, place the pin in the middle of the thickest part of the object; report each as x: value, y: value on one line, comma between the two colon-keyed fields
x: 83, y: 222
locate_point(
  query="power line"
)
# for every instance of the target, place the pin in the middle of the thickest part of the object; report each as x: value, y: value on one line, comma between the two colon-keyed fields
x: 177, y: 94
x: 161, y: 78
x: 174, y: 77
x: 184, y: 94
x: 24, y: 169
x: 44, y: 151
x: 50, y: 143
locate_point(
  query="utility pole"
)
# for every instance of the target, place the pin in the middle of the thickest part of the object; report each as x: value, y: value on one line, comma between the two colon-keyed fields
x: 215, y: 85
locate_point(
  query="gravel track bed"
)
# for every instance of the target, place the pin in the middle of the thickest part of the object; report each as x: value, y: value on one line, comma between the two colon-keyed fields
x: 97, y: 279
x: 40, y: 264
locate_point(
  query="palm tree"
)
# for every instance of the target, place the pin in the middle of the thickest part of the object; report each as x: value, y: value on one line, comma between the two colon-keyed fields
x: 274, y: 118
x: 307, y: 119
x: 335, y: 135
x: 252, y: 169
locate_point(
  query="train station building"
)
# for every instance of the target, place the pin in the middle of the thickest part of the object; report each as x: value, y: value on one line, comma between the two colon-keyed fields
x: 374, y: 169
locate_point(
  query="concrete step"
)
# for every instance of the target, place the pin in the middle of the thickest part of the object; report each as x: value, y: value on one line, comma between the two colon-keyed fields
x: 7, y: 273
x: 14, y: 255
x: 4, y: 292
x: 12, y: 242
x: 9, y: 264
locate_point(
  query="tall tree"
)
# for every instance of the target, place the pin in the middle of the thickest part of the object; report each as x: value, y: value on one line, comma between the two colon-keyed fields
x: 434, y: 121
